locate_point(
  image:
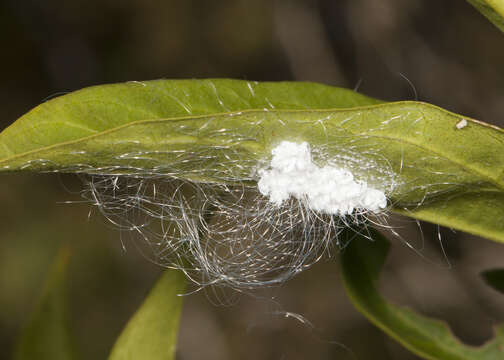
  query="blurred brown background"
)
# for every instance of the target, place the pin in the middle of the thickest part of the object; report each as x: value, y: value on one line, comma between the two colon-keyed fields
x: 447, y: 50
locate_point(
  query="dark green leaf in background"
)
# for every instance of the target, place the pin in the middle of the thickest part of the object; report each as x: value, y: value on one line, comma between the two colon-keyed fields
x: 47, y: 334
x: 152, y: 332
x: 494, y: 278
x: 361, y: 263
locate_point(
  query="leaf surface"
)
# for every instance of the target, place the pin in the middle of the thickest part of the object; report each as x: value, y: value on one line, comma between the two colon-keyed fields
x: 152, y: 332
x: 492, y: 9
x: 96, y: 109
x: 434, y: 165
x: 361, y: 263
x: 47, y: 335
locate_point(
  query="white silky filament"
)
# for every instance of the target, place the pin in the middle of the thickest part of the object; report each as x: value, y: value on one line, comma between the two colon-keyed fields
x: 328, y: 189
x: 237, y: 234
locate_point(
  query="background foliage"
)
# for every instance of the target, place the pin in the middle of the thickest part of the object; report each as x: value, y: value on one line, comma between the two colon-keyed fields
x: 449, y: 52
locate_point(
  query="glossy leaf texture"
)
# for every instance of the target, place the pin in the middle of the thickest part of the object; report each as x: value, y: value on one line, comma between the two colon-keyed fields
x: 492, y: 9
x: 47, y: 335
x: 435, y: 165
x: 152, y: 331
x: 361, y: 263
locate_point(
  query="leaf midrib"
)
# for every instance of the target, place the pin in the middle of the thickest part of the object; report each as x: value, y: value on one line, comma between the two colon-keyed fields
x: 474, y: 171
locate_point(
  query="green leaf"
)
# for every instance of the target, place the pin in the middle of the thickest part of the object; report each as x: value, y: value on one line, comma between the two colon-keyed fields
x: 152, y: 332
x: 220, y: 130
x: 494, y: 278
x: 93, y: 110
x: 492, y: 9
x: 361, y: 263
x: 47, y: 334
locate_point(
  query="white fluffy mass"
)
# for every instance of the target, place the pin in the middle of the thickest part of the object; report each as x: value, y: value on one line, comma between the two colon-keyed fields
x: 328, y: 189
